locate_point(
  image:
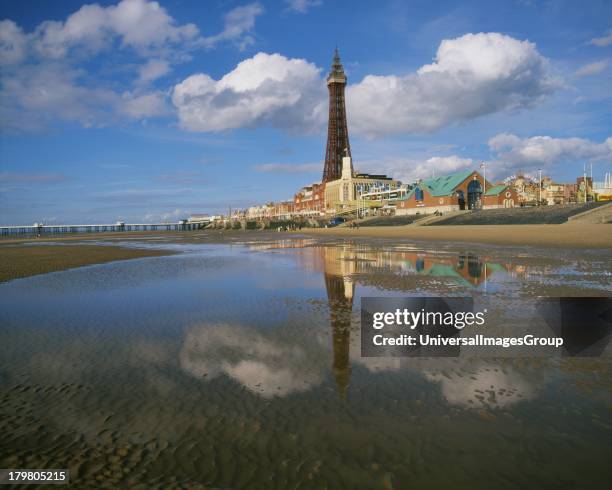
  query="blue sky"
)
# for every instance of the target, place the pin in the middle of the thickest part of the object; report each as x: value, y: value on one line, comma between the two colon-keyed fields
x: 142, y: 111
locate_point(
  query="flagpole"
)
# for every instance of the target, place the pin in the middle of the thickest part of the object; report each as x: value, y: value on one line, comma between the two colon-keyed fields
x: 584, y: 181
x: 592, y: 181
x: 484, y: 171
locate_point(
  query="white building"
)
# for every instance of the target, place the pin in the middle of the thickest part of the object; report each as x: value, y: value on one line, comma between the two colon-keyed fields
x: 346, y: 193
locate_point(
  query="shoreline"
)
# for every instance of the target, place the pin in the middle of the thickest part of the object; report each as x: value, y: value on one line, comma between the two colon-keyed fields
x: 17, y: 262
x: 58, y: 253
x: 566, y: 235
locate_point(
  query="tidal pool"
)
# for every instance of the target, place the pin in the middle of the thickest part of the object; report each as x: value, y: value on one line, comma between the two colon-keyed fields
x: 238, y: 366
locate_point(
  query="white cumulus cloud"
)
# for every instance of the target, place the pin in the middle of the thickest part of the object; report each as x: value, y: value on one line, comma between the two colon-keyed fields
x: 444, y: 165
x: 509, y: 154
x: 515, y: 153
x: 13, y: 43
x: 36, y: 95
x: 473, y: 75
x: 139, y: 24
x: 48, y: 73
x: 410, y: 170
x: 266, y: 88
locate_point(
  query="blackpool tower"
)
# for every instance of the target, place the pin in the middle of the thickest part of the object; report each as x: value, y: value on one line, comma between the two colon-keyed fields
x: 338, y: 145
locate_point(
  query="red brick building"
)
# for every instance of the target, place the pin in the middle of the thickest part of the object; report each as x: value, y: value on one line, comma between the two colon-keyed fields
x: 310, y: 200
x: 500, y: 196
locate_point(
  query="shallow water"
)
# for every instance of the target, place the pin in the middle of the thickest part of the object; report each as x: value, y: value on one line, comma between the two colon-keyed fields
x: 238, y: 366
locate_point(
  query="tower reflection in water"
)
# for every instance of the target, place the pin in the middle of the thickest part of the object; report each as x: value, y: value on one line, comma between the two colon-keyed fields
x: 342, y: 263
x: 340, y: 290
x: 340, y: 295
x: 264, y: 360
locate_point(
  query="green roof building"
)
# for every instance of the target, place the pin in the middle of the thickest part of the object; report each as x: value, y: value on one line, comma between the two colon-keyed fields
x: 459, y: 191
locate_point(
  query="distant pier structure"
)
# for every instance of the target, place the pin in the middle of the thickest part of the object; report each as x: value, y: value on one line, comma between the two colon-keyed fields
x: 39, y: 229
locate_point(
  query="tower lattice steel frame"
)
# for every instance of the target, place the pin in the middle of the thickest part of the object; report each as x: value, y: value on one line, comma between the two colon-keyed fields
x: 338, y: 144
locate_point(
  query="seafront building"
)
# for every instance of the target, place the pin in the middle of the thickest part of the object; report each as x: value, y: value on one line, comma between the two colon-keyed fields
x: 346, y: 194
x: 310, y: 200
x: 526, y: 187
x: 344, y: 191
x: 603, y: 190
x: 342, y: 187
x: 555, y: 193
x: 283, y: 210
x: 467, y: 190
x: 204, y: 219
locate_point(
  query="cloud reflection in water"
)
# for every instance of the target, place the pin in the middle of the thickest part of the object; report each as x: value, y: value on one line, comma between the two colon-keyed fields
x: 263, y: 366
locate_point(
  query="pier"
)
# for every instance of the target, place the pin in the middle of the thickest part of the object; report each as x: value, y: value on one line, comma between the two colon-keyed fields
x: 38, y: 229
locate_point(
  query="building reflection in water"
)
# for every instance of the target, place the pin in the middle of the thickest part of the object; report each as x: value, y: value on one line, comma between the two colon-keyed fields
x: 265, y: 363
x: 342, y: 263
x: 355, y: 258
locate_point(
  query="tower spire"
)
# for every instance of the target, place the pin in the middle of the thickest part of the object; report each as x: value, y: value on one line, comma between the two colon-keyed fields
x: 337, y: 69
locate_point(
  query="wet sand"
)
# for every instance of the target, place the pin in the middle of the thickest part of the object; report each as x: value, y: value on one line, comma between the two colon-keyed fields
x: 238, y: 363
x: 24, y: 261
x: 17, y: 260
x: 565, y: 235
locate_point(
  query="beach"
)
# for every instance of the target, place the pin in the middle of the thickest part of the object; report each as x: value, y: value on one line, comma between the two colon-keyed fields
x: 238, y: 359
x: 571, y: 235
x: 22, y: 257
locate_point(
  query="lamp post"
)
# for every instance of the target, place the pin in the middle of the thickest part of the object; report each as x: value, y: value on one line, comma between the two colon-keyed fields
x: 540, y: 187
x: 584, y: 182
x: 483, y: 166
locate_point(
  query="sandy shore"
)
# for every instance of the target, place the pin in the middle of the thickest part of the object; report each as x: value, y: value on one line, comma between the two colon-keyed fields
x: 27, y: 261
x: 17, y: 260
x: 571, y: 235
